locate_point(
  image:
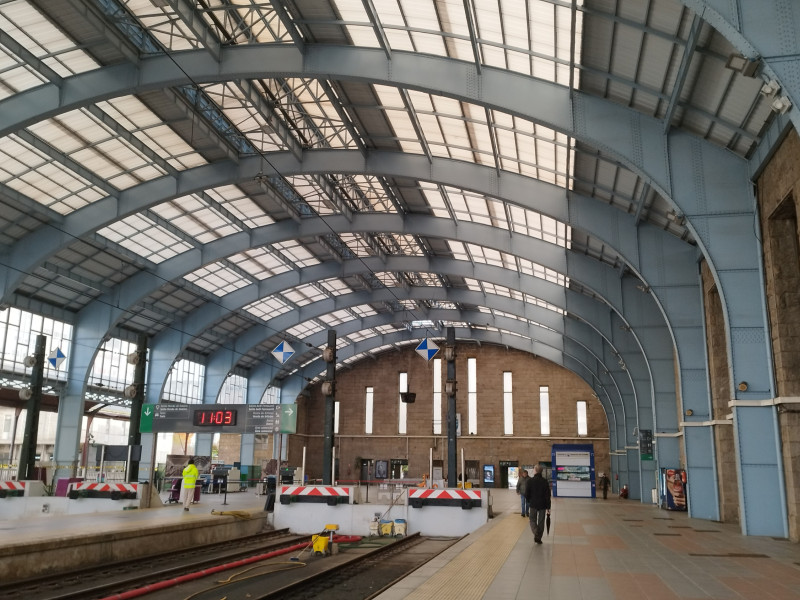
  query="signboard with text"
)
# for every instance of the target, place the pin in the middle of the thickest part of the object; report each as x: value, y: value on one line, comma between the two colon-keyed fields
x: 219, y: 418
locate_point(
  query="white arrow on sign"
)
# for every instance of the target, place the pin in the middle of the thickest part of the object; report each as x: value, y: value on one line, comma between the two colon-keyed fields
x: 289, y: 411
x: 147, y: 411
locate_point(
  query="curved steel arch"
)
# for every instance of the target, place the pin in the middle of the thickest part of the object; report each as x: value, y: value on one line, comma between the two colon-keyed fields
x: 719, y: 200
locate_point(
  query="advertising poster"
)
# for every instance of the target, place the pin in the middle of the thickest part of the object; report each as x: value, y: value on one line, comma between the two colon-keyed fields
x: 675, y: 489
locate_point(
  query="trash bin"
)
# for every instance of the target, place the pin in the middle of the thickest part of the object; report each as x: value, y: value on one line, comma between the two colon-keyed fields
x: 399, y: 527
x: 320, y: 543
x: 373, y: 528
x: 386, y: 527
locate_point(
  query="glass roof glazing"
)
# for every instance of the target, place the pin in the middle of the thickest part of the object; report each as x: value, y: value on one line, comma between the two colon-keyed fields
x: 81, y: 156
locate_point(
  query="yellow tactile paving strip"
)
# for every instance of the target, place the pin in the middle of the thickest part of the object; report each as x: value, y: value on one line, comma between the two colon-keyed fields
x: 480, y: 564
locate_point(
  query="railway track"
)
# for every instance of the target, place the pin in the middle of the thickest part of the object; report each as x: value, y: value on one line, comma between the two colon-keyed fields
x: 101, y: 581
x: 359, y: 571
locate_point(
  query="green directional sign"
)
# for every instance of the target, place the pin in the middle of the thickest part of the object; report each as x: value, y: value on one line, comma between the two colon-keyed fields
x: 288, y: 418
x: 146, y: 422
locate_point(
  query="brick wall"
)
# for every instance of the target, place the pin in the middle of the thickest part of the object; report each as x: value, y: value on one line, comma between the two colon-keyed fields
x: 778, y: 196
x: 490, y: 445
x: 717, y: 349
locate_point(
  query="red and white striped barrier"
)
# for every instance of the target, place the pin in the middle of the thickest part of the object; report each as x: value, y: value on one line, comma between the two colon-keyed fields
x: 314, y: 490
x: 466, y: 499
x: 445, y: 494
x: 105, y: 487
x: 331, y: 495
x: 12, y: 485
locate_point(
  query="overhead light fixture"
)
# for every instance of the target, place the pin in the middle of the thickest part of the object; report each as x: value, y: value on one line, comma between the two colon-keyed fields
x: 770, y: 88
x: 25, y: 394
x: 29, y: 361
x: 748, y: 67
x: 781, y: 105
x: 328, y: 388
x: 329, y: 354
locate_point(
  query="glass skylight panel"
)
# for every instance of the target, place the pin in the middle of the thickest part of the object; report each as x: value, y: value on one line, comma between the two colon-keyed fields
x: 194, y: 216
x: 458, y: 250
x: 268, y: 308
x: 395, y: 111
x: 217, y: 278
x: 544, y: 304
x: 337, y: 317
x: 296, y: 254
x: 165, y: 27
x: 245, y: 115
x: 385, y: 329
x: 16, y: 79
x: 427, y: 279
x: 304, y: 294
x: 473, y: 285
x: 335, y: 286
x: 386, y: 278
x: 26, y: 26
x: 260, y: 263
x: 314, y: 118
x: 138, y: 119
x: 356, y: 243
x: 310, y: 190
x: 359, y: 336
x: 304, y: 330
x: 363, y: 310
x: 240, y: 205
x: 366, y: 192
x: 245, y: 21
x: 533, y: 224
x: 143, y: 237
x: 357, y: 23
x: 33, y: 174
x: 531, y: 268
x: 421, y: 16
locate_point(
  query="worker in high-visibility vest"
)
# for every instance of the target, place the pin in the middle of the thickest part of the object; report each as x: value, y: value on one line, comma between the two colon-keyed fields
x: 189, y: 480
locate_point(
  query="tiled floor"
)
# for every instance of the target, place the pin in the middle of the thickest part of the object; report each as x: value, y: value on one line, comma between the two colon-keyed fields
x: 606, y: 550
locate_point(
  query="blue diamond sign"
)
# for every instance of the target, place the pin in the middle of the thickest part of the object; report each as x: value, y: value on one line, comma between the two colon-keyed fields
x: 427, y: 349
x: 283, y: 352
x: 56, y: 357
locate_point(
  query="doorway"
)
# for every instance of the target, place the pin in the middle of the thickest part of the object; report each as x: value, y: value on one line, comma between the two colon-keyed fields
x: 509, y: 472
x: 398, y: 467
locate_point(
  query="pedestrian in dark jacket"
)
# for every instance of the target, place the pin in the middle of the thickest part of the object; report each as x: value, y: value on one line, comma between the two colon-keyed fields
x: 537, y: 491
x: 522, y: 483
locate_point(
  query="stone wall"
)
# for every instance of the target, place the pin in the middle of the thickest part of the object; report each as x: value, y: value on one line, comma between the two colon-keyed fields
x: 490, y: 445
x: 721, y: 394
x: 778, y: 193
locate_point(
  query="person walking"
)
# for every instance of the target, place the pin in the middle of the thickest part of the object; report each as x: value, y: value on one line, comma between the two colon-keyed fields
x: 537, y: 491
x: 190, y: 475
x: 604, y: 483
x: 522, y: 483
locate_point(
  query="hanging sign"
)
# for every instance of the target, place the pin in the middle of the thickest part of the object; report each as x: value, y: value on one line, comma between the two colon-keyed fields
x: 427, y: 349
x: 56, y: 357
x: 283, y: 352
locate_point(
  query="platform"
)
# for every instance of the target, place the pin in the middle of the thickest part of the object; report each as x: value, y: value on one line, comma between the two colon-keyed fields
x: 596, y: 550
x: 52, y: 543
x: 606, y: 550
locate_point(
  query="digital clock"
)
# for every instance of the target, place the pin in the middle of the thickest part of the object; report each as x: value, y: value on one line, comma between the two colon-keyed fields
x: 215, y: 417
